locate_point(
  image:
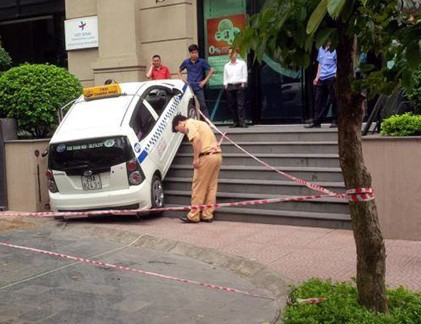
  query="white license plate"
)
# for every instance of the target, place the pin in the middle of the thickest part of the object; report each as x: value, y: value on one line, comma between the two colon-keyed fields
x: 92, y: 182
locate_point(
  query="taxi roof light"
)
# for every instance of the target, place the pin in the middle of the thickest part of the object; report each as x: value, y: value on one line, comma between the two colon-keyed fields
x: 100, y: 92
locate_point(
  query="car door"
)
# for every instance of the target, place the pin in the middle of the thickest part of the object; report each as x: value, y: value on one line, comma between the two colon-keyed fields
x: 162, y: 99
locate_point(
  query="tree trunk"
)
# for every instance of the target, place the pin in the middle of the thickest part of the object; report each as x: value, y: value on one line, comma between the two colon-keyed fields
x: 371, y: 256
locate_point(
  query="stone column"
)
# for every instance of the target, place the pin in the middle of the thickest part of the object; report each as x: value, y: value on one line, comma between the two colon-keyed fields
x: 118, y: 43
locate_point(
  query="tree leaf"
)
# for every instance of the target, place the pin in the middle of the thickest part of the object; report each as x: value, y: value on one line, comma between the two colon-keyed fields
x: 413, y: 55
x: 334, y: 7
x: 317, y: 17
x: 324, y: 35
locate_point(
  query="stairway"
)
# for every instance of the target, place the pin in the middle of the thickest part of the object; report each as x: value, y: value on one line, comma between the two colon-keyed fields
x: 308, y: 154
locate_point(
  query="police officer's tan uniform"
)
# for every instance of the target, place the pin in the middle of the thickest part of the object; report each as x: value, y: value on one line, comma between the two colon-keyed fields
x: 205, y: 177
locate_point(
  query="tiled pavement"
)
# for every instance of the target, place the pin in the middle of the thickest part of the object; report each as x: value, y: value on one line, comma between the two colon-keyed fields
x: 297, y: 253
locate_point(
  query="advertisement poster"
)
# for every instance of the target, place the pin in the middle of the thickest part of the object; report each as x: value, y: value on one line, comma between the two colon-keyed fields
x: 221, y: 33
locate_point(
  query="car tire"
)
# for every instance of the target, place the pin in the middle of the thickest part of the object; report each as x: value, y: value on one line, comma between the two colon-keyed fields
x: 192, y: 110
x: 157, y: 193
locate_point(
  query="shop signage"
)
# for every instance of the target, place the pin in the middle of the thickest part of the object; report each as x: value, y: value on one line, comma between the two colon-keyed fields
x: 81, y: 33
x: 221, y: 33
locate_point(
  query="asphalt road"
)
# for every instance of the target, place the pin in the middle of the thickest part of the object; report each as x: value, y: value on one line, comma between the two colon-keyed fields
x: 40, y: 288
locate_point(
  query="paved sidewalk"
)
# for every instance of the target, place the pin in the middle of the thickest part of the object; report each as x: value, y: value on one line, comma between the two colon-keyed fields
x: 296, y: 253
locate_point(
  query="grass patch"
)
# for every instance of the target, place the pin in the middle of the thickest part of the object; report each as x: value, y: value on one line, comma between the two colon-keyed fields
x: 341, y: 305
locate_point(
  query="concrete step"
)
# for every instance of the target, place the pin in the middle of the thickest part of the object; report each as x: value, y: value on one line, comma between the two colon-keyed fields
x: 264, y: 187
x: 263, y: 173
x: 308, y: 154
x: 321, y: 147
x: 322, y: 205
x: 300, y: 160
x: 279, y: 217
x: 280, y: 133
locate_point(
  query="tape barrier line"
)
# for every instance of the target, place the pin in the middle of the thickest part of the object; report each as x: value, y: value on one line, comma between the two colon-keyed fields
x: 43, y: 274
x: 360, y: 194
x: 124, y: 268
x: 76, y: 214
x: 291, y: 177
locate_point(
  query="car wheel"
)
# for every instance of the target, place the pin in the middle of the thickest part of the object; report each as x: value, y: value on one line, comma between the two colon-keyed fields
x: 157, y: 192
x: 191, y: 110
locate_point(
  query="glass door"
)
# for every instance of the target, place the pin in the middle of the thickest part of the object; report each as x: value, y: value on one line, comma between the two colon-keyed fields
x: 281, y: 93
x: 222, y: 20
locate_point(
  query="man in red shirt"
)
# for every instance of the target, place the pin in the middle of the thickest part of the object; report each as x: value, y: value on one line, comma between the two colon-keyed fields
x: 158, y: 71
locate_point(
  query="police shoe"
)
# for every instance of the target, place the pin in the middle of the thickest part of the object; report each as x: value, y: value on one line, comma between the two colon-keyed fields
x: 185, y: 219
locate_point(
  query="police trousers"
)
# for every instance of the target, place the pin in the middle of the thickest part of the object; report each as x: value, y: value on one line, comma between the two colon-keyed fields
x: 205, y: 186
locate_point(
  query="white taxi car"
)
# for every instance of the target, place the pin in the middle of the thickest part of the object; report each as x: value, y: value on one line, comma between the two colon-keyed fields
x: 115, y: 145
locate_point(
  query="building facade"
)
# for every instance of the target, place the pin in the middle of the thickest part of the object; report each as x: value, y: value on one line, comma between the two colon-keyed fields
x: 33, y: 31
x: 129, y: 32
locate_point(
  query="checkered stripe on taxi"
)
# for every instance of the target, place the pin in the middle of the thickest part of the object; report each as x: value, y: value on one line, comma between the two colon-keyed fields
x: 161, y: 127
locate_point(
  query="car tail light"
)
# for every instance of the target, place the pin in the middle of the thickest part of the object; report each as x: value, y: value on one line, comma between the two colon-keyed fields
x: 51, y: 183
x: 132, y: 165
x: 135, y: 175
x: 135, y: 178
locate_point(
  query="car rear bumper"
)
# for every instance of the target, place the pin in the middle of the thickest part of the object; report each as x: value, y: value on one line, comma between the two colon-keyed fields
x: 117, y: 199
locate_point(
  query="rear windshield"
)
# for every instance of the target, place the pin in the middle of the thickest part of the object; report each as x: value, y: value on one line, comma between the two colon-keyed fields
x: 98, y: 154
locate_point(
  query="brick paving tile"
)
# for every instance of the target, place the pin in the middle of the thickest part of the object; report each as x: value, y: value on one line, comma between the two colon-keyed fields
x: 298, y: 253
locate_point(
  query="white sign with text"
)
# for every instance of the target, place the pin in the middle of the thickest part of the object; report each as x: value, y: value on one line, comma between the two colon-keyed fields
x: 81, y: 33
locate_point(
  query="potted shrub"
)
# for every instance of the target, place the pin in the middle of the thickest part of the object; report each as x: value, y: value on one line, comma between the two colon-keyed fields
x: 33, y: 93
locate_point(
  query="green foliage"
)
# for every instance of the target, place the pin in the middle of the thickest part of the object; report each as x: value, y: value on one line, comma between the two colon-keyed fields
x: 288, y: 30
x: 33, y: 93
x: 414, y: 93
x: 341, y: 305
x: 5, y: 60
x: 317, y: 17
x: 402, y: 125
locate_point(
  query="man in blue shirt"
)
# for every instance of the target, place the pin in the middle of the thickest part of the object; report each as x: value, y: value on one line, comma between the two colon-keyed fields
x: 325, y: 86
x: 196, y: 75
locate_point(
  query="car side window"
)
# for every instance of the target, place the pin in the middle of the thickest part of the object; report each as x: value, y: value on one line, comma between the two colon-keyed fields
x: 158, y: 98
x: 142, y: 121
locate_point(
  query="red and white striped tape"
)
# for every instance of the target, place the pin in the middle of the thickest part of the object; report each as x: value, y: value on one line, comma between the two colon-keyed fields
x: 291, y: 177
x: 353, y: 195
x: 124, y: 268
x: 76, y: 214
x: 360, y: 194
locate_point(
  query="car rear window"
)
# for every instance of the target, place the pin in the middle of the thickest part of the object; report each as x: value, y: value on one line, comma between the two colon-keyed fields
x: 98, y: 154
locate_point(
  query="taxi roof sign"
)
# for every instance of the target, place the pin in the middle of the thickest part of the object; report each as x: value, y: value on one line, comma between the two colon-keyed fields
x: 104, y: 91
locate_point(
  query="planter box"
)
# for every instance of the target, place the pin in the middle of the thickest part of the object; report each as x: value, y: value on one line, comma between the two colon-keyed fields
x: 395, y: 167
x: 8, y: 131
x: 25, y: 175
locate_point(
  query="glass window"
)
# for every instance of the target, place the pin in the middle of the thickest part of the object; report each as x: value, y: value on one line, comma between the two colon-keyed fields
x: 96, y: 154
x: 142, y: 121
x: 158, y: 98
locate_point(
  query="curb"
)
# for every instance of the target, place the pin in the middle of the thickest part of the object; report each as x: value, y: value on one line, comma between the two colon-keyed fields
x: 259, y: 275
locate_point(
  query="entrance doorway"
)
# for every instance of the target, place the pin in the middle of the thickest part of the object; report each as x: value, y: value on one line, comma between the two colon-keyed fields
x: 40, y: 40
x: 275, y: 94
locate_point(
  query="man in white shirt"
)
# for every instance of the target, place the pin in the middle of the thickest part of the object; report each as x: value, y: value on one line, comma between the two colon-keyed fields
x: 235, y: 80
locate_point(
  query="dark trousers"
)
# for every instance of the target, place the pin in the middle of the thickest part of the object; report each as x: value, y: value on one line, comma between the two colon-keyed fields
x: 324, y: 89
x: 236, y: 102
x: 200, y: 95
